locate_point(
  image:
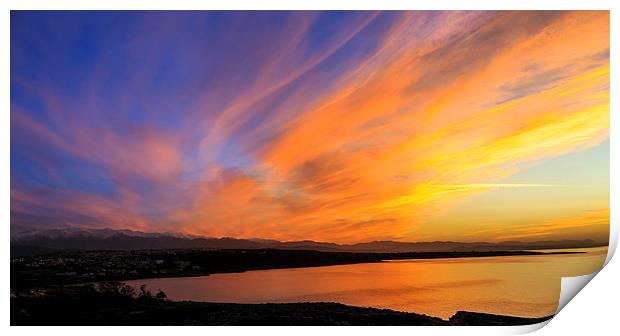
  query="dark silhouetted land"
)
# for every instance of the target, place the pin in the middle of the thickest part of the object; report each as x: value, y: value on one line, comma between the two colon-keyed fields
x: 118, y: 304
x: 44, y: 290
x: 72, y: 267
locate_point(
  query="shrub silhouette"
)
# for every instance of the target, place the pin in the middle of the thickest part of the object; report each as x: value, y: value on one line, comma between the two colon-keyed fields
x: 161, y: 295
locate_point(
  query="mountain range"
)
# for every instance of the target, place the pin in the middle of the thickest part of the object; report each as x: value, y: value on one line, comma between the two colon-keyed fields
x: 50, y: 240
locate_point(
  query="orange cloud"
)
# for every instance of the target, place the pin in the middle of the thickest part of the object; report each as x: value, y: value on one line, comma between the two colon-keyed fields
x: 444, y: 106
x: 593, y: 224
x: 384, y: 151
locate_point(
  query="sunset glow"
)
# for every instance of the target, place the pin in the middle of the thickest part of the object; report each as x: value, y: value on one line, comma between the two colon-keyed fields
x: 330, y: 126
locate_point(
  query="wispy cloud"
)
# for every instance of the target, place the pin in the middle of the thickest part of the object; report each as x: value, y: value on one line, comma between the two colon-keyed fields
x: 578, y: 226
x: 498, y: 185
x: 266, y: 125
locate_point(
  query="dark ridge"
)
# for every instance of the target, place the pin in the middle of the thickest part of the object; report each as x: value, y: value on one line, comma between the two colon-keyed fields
x: 470, y: 318
x: 40, y: 242
x: 66, y: 267
x: 119, y: 304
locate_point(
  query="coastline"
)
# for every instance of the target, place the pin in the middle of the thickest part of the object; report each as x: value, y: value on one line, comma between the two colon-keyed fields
x: 47, y: 302
x: 78, y: 269
x: 79, y: 311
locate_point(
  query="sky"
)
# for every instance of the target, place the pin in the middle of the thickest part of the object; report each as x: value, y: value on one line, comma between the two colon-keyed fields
x: 342, y: 126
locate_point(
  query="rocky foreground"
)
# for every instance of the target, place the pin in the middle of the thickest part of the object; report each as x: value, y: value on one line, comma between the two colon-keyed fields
x: 116, y: 306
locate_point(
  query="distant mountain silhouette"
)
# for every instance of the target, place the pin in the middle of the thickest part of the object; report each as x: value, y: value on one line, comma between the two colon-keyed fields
x: 43, y: 241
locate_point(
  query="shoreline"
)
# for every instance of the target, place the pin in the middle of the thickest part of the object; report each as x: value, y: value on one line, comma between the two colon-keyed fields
x: 79, y: 311
x: 527, y: 253
x: 33, y: 305
x: 208, y: 262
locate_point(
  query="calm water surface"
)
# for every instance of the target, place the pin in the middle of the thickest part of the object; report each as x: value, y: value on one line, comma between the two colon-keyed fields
x: 518, y: 285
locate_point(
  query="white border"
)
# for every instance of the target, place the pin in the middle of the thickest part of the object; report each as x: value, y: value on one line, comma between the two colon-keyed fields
x: 585, y: 314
